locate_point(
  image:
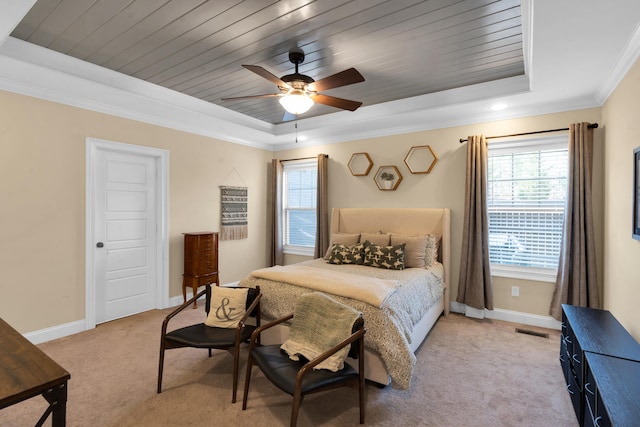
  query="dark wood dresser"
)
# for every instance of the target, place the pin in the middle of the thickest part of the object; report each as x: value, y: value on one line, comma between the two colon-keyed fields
x: 601, y: 365
x: 200, y: 261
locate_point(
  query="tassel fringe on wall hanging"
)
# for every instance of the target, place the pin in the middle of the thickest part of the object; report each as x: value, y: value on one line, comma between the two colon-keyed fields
x: 234, y: 213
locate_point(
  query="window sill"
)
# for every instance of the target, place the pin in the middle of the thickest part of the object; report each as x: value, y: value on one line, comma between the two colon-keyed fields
x: 298, y: 250
x: 524, y: 273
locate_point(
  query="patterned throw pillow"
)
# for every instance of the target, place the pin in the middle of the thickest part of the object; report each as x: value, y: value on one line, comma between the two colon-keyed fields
x: 389, y: 257
x: 431, y: 254
x: 343, y: 254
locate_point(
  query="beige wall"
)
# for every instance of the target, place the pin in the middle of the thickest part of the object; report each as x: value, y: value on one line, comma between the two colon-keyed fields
x: 42, y: 203
x: 42, y: 189
x: 622, y: 253
x: 444, y: 186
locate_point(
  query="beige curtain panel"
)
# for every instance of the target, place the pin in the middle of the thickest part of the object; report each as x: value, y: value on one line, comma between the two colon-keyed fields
x: 474, y: 286
x: 276, y: 212
x: 322, y: 208
x: 576, y: 282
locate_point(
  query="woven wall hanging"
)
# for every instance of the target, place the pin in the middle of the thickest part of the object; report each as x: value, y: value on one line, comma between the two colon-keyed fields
x: 234, y: 213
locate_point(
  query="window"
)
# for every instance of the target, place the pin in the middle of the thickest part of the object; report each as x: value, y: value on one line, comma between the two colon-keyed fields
x: 527, y: 187
x: 299, y: 207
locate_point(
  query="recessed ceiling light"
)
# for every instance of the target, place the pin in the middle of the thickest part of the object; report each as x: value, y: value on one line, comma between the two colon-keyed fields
x: 302, y: 138
x: 499, y: 106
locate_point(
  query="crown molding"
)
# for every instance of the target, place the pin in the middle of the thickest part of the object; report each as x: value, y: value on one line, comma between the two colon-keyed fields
x: 39, y: 72
x: 35, y: 71
x: 42, y: 73
x: 629, y: 56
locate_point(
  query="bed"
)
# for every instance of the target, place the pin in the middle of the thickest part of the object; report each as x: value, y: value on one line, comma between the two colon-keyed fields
x: 398, y: 307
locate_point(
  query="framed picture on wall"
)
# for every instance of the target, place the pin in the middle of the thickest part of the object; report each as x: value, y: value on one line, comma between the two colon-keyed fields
x: 636, y: 193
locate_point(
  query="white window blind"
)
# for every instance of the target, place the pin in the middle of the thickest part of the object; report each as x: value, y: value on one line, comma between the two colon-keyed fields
x: 527, y: 187
x: 299, y: 199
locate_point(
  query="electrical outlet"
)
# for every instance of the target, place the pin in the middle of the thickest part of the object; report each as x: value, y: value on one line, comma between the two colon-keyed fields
x: 515, y: 291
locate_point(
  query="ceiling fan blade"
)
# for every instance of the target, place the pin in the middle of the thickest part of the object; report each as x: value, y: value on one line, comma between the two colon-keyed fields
x: 345, y: 104
x: 266, y: 75
x: 236, y: 98
x: 342, y: 78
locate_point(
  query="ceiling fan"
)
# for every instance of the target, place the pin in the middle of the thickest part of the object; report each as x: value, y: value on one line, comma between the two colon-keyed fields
x: 299, y: 92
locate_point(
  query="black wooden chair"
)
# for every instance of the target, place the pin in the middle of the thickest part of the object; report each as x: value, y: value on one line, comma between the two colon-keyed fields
x: 298, y: 378
x: 203, y: 336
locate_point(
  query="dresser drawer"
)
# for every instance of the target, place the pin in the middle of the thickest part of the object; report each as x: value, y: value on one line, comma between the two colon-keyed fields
x: 209, y: 279
x: 564, y: 361
x: 577, y: 361
x: 595, y: 413
x: 576, y: 396
x: 590, y: 393
x: 588, y: 417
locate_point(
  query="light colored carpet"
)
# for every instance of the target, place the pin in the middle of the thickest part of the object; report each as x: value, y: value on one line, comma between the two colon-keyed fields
x: 469, y: 373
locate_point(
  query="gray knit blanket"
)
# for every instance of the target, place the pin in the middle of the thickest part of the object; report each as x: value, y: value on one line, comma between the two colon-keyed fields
x: 320, y: 323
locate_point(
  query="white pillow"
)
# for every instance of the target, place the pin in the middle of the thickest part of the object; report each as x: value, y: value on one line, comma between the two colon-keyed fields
x: 228, y: 305
x: 419, y: 251
x: 380, y: 239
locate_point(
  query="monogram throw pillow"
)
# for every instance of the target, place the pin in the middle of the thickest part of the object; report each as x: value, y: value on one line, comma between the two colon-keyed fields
x: 228, y: 305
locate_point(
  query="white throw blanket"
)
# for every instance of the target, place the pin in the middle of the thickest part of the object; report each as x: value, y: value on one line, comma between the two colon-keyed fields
x: 371, y: 290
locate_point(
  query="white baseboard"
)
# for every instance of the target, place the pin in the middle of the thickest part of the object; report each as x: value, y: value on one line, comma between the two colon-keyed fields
x: 177, y: 300
x: 60, y: 331
x: 54, y: 332
x: 507, y: 315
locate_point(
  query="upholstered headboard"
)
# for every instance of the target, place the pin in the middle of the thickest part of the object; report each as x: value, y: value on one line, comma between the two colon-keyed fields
x: 402, y: 221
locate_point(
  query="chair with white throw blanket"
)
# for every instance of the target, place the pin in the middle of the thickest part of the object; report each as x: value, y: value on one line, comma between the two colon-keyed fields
x: 323, y: 333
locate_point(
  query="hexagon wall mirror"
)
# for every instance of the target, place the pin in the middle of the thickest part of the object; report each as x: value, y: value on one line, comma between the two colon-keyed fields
x: 421, y: 159
x: 360, y: 164
x: 388, y: 178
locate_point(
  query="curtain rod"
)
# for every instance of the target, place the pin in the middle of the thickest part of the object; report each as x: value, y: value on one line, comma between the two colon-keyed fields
x: 302, y: 158
x: 591, y: 126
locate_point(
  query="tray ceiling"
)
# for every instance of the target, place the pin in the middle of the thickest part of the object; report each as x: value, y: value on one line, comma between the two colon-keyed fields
x: 403, y: 48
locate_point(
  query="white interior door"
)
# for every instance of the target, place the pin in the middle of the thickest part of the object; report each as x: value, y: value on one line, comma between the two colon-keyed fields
x: 125, y: 244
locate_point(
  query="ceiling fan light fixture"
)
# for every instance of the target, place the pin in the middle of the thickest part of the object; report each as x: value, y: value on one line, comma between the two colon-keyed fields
x: 296, y: 101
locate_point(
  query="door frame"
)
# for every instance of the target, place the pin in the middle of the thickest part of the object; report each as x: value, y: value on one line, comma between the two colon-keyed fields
x: 92, y: 147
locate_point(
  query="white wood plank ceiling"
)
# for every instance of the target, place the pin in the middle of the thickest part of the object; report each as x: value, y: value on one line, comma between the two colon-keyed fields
x: 403, y: 48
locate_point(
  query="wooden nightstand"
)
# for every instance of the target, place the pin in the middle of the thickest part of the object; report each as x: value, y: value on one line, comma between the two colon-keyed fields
x: 200, y: 261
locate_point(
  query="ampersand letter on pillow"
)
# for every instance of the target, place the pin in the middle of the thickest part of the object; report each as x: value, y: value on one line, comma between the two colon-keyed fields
x: 228, y: 305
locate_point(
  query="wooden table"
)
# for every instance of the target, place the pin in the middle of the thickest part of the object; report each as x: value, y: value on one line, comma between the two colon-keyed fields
x: 26, y: 371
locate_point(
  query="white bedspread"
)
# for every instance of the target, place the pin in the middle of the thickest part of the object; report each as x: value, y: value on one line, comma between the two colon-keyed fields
x: 388, y: 327
x: 367, y: 289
